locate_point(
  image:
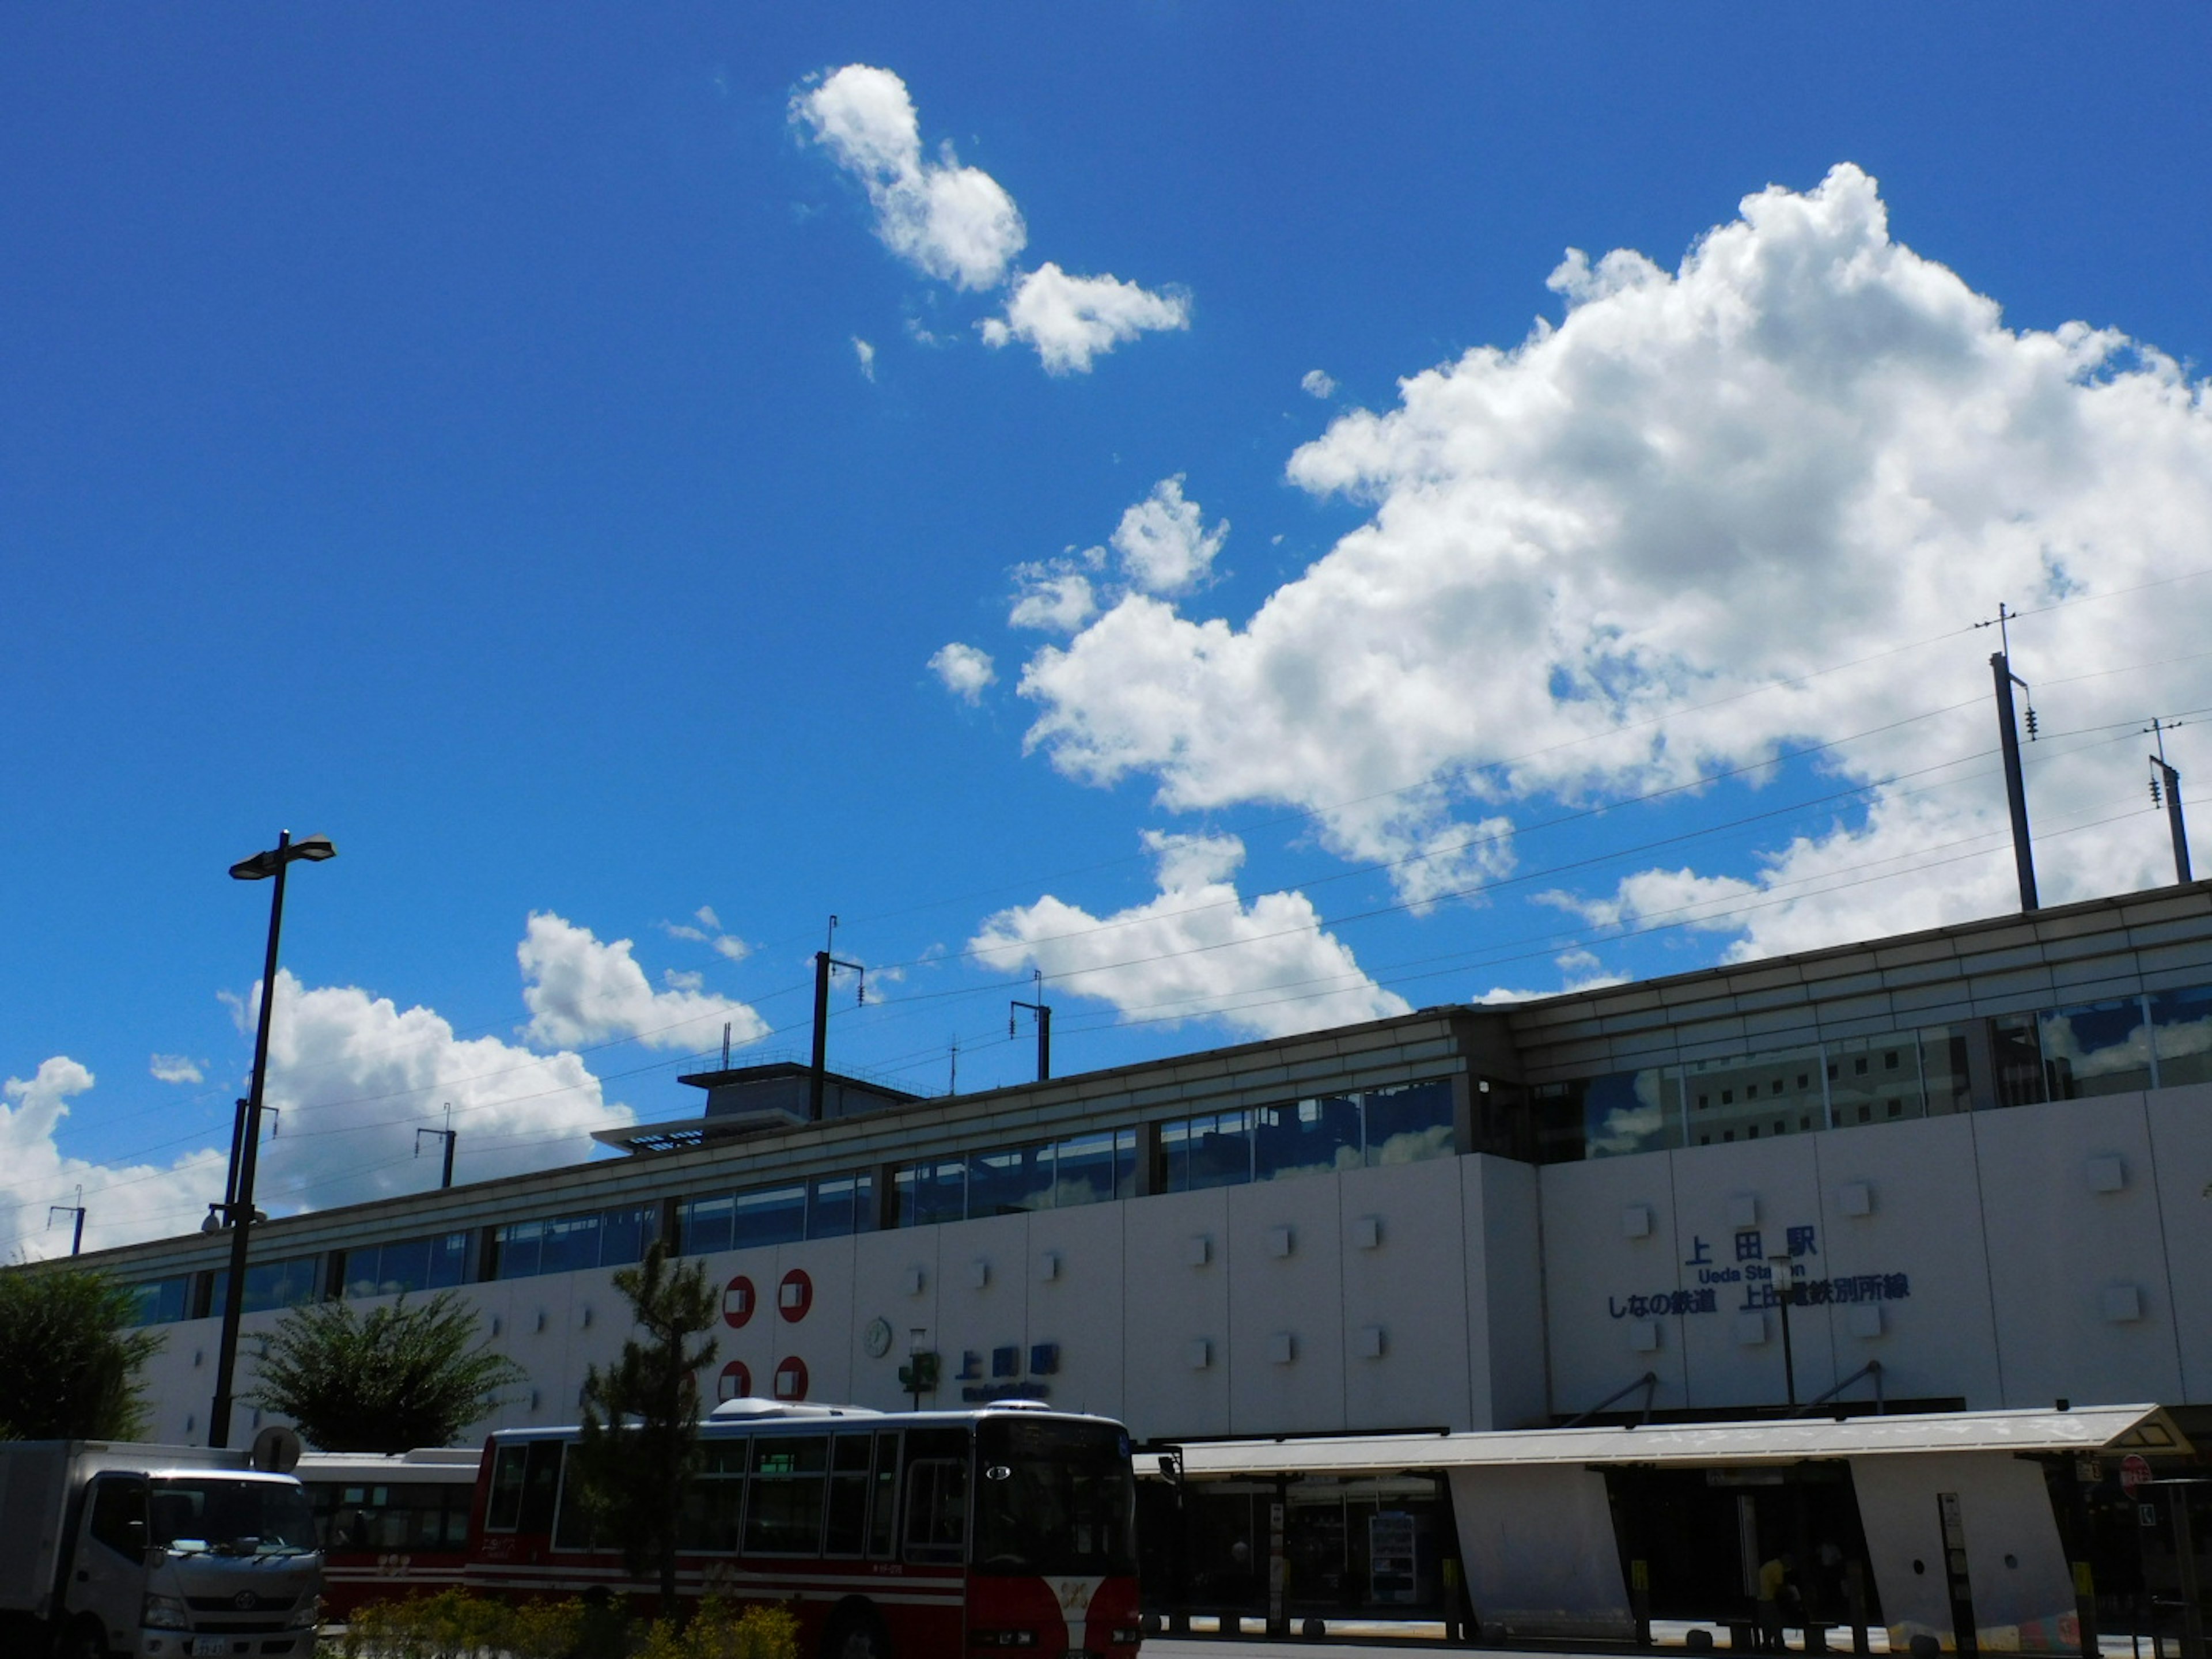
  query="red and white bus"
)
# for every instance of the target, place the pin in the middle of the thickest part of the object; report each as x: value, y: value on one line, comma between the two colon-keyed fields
x: 891, y: 1536
x: 390, y: 1527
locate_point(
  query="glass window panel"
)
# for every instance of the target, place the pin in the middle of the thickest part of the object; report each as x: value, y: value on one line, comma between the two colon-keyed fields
x: 1556, y: 1123
x: 882, y: 1511
x: 770, y: 1215
x: 784, y: 1504
x: 1212, y: 1150
x: 449, y: 1260
x: 1094, y: 1169
x: 2182, y: 1022
x: 930, y: 1193
x: 2096, y: 1048
x: 1409, y: 1125
x: 1756, y: 1098
x: 839, y: 1204
x: 1011, y: 1182
x: 570, y: 1242
x: 1307, y: 1137
x: 403, y: 1267
x: 626, y: 1234
x: 520, y: 1246
x: 271, y: 1285
x: 2018, y: 1044
x: 160, y: 1302
x: 1943, y: 1080
x: 1631, y: 1112
x: 704, y: 1224
x: 1874, y: 1080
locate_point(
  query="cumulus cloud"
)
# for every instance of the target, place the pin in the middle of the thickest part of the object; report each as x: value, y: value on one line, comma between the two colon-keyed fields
x: 965, y: 669
x: 1646, y: 543
x: 1056, y: 598
x: 1068, y: 320
x: 1195, y: 950
x: 1165, y: 546
x: 580, y: 989
x: 174, y: 1068
x: 949, y: 221
x: 867, y: 354
x: 118, y: 1201
x: 1318, y: 383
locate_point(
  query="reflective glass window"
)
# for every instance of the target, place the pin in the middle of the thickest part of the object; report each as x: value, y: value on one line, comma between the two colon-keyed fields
x: 770, y: 1215
x: 714, y: 1499
x: 1011, y: 1182
x: 518, y: 1248
x: 1874, y: 1080
x: 1094, y: 1169
x: 2017, y: 1044
x: 1627, y: 1112
x: 449, y: 1260
x: 1212, y: 1150
x: 704, y: 1224
x: 839, y: 1204
x: 1408, y: 1125
x: 1755, y: 1097
x: 1943, y: 1081
x: 160, y: 1301
x: 1308, y: 1137
x: 2096, y: 1048
x: 2181, y: 1022
x: 625, y: 1235
x: 270, y: 1285
x: 783, y: 1507
x: 568, y: 1244
x: 404, y: 1266
x: 933, y: 1192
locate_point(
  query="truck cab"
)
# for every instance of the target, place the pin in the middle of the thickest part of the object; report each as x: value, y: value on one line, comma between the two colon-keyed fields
x: 189, y: 1563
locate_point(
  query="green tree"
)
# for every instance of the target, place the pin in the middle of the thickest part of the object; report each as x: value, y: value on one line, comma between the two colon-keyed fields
x: 639, y: 1428
x: 70, y: 1357
x: 387, y: 1380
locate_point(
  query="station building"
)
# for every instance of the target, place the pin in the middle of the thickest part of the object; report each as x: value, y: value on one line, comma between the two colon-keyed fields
x: 1980, y: 1157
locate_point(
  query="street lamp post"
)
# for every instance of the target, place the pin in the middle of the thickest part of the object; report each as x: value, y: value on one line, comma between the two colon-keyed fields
x: 239, y: 1208
x: 1785, y: 1278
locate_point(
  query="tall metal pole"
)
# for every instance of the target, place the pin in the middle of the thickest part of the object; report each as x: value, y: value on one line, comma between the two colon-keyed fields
x: 2171, y: 780
x: 1043, y: 1014
x: 1785, y: 1272
x: 241, y: 1211
x: 821, y: 1073
x: 2023, y: 853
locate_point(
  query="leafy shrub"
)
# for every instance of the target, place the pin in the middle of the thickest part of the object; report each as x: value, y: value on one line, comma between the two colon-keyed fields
x: 454, y: 1625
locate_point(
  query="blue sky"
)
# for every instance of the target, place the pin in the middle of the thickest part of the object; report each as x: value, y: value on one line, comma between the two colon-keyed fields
x: 526, y: 452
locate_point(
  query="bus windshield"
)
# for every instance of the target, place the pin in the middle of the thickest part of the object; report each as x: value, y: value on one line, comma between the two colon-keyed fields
x: 1054, y: 1498
x: 230, y: 1517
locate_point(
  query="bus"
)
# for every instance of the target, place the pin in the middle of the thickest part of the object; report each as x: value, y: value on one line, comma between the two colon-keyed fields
x: 390, y: 1527
x: 890, y: 1536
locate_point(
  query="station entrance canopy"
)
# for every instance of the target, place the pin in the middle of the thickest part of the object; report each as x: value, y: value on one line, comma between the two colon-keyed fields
x: 1949, y: 1514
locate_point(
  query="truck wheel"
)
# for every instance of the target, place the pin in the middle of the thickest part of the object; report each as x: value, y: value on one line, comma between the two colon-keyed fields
x: 85, y: 1639
x: 855, y: 1632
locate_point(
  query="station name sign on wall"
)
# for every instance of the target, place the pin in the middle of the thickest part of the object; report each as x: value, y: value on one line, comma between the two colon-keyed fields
x: 1753, y: 1281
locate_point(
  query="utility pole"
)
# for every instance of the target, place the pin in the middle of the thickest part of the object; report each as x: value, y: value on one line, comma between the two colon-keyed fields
x: 447, y: 1135
x: 823, y: 961
x: 1043, y: 1012
x: 2023, y: 851
x: 2163, y: 774
x: 77, y: 1237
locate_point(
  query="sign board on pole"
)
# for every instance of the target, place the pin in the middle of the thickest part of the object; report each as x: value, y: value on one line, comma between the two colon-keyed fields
x: 2135, y: 1471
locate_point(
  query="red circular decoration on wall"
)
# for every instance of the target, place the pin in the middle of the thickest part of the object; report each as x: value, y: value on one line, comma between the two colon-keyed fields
x: 791, y: 1378
x: 738, y: 1299
x: 735, y: 1382
x: 794, y: 1297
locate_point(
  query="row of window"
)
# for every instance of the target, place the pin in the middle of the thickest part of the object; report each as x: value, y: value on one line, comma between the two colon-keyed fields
x: 2162, y: 1040
x: 830, y: 1206
x: 269, y: 1285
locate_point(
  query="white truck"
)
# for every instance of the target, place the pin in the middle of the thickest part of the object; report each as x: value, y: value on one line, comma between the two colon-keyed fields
x: 108, y: 1549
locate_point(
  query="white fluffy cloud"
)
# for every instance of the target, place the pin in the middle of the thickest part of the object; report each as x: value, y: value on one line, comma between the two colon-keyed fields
x: 1195, y: 950
x: 1318, y: 383
x: 1068, y: 320
x: 1164, y: 544
x: 1055, y: 597
x: 957, y: 224
x: 174, y: 1068
x: 706, y: 928
x: 580, y: 989
x: 965, y: 669
x: 35, y: 1174
x: 1591, y: 557
x: 949, y: 221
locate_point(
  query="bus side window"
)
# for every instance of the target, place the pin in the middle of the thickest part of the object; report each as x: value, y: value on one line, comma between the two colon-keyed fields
x: 882, y: 1513
x: 541, y: 1486
x: 846, y: 1533
x: 937, y: 1495
x: 506, y: 1507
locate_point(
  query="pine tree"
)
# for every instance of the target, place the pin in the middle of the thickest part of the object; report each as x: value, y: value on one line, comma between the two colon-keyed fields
x: 640, y: 1429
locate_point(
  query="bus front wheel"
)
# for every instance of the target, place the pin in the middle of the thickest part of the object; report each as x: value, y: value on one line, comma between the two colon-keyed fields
x: 855, y: 1632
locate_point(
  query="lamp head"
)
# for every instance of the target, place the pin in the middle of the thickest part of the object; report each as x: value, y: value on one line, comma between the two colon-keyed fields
x: 264, y: 864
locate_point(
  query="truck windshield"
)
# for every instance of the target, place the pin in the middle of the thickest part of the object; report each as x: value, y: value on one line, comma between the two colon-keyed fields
x: 1054, y: 1498
x: 230, y: 1517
